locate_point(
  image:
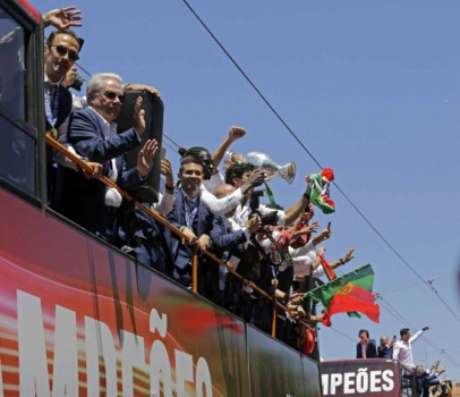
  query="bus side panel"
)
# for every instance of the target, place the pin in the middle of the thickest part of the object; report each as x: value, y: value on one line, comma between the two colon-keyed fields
x: 76, y: 314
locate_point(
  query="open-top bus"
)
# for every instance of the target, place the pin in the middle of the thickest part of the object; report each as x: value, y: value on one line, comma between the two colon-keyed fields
x: 80, y: 318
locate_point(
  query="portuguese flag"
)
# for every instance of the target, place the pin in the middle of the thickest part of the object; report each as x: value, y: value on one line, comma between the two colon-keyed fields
x: 319, y: 190
x: 350, y: 293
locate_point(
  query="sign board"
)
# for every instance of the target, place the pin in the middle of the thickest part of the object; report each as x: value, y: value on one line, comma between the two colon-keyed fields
x: 371, y: 377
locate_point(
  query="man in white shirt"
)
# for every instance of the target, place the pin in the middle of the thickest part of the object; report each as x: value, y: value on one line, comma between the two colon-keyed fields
x: 237, y: 175
x: 402, y: 349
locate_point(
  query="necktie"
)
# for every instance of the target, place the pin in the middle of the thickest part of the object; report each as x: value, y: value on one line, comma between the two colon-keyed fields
x: 52, y: 104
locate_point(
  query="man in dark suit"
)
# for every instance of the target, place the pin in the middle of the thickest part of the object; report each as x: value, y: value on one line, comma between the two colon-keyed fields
x: 61, y: 52
x: 200, y: 227
x: 365, y: 347
x: 92, y: 133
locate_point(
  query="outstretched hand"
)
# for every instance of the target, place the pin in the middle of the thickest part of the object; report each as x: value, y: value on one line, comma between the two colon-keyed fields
x: 327, y: 232
x: 166, y: 170
x: 349, y: 255
x: 256, y: 178
x: 145, y: 157
x: 63, y: 18
x: 142, y: 87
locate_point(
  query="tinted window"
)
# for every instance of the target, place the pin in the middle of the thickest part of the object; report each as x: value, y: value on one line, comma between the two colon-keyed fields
x: 17, y: 156
x: 12, y: 71
x: 17, y: 140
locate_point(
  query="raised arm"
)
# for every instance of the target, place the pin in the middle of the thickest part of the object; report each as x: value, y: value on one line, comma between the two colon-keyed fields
x: 294, y: 212
x: 324, y: 235
x: 63, y: 18
x: 342, y: 261
x: 89, y: 143
x: 233, y: 135
x: 418, y: 334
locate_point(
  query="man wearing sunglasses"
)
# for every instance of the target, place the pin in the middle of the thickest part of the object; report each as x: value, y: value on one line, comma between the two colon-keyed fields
x: 93, y: 134
x: 61, y: 52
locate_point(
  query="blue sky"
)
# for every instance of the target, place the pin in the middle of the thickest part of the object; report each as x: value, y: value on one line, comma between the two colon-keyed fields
x: 372, y: 88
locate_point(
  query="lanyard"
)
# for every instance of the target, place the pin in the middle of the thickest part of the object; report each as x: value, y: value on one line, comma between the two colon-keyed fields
x: 190, y: 214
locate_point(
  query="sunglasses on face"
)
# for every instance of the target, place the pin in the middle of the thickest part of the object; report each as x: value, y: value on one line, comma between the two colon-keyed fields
x: 112, y: 95
x: 63, y: 51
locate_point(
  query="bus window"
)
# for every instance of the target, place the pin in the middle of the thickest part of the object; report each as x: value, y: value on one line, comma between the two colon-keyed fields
x: 12, y: 72
x: 17, y: 156
x: 17, y: 140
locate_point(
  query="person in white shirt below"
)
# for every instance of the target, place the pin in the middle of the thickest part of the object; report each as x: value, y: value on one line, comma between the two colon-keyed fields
x: 402, y: 349
x: 402, y: 352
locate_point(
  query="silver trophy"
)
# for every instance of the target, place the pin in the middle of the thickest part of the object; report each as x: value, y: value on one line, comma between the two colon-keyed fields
x: 261, y: 160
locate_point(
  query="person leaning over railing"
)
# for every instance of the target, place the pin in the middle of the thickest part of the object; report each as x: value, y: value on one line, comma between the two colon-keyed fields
x: 237, y: 175
x: 93, y: 134
x: 192, y: 216
x: 402, y: 352
x: 62, y: 50
x: 138, y: 234
x: 230, y: 287
x: 220, y: 206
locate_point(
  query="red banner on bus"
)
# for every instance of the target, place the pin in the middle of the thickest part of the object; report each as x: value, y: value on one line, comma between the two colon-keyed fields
x: 79, y: 319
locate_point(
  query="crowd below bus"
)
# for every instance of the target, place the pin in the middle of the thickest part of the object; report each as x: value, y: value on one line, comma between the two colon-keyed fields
x: 421, y: 379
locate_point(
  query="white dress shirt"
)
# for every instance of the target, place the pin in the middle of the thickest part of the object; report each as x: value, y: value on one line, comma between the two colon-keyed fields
x: 220, y: 206
x: 402, y: 352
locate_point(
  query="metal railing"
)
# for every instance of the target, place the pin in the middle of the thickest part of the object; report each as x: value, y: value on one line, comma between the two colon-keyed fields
x: 164, y: 222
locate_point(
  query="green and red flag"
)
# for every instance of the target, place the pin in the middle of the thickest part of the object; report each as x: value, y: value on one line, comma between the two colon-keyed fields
x: 349, y: 293
x: 319, y: 190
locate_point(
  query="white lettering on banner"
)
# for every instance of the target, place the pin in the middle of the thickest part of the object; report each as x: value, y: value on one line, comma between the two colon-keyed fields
x: 325, y: 383
x: 362, y: 381
x: 336, y: 380
x: 160, y: 370
x: 375, y: 381
x: 132, y: 355
x: 65, y: 365
x: 203, y: 378
x: 349, y: 383
x: 388, y: 380
x: 184, y: 372
x: 99, y: 342
x: 160, y: 366
x: 158, y: 323
x: 33, y: 369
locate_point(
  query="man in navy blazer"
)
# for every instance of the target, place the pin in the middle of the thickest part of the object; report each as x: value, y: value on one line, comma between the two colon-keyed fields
x: 200, y: 227
x: 61, y: 51
x: 92, y: 133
